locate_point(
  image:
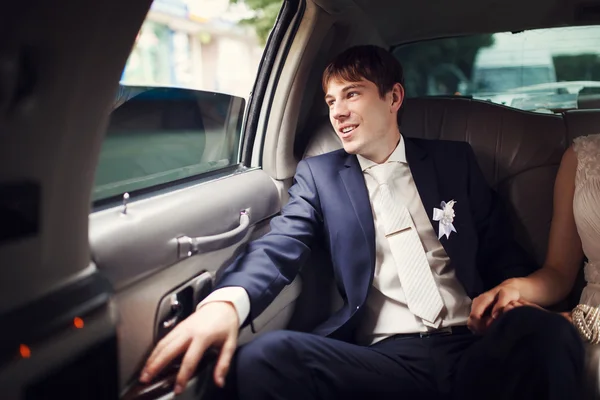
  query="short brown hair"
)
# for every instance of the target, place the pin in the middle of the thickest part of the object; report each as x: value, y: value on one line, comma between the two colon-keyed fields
x: 368, y: 62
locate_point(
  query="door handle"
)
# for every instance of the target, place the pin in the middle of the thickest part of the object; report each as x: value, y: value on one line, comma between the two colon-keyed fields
x: 176, y: 310
x: 179, y: 304
x: 188, y: 246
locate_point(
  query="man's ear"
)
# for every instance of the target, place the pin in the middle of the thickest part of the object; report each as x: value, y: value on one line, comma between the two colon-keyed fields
x: 397, y: 97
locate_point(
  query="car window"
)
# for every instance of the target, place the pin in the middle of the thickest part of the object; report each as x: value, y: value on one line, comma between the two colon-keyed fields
x: 183, y: 94
x: 545, y: 70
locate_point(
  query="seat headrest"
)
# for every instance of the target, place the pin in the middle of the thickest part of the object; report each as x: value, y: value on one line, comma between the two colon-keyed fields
x: 505, y: 140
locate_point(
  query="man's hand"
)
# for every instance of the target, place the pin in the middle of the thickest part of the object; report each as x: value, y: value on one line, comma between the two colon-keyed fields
x: 520, y: 303
x: 490, y: 305
x: 214, y: 324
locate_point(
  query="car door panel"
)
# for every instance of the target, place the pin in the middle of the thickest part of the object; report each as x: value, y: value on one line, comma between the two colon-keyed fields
x: 137, y: 250
x: 127, y: 245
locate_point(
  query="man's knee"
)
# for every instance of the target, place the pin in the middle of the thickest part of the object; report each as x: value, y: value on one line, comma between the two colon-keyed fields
x: 544, y: 325
x: 271, y: 362
x: 272, y: 350
x: 544, y: 332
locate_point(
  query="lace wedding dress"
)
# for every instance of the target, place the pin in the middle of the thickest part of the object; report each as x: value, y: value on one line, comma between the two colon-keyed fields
x: 586, y: 209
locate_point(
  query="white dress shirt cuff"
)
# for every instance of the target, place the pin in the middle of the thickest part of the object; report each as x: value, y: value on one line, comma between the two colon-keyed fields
x: 236, y: 295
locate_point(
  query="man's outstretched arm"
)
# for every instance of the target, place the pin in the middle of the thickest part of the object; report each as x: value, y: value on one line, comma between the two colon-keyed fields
x: 245, y: 289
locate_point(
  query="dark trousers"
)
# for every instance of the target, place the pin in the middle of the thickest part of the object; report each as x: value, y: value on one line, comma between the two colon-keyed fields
x: 527, y: 354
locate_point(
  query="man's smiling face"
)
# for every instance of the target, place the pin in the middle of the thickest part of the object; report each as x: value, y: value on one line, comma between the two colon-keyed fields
x: 365, y: 122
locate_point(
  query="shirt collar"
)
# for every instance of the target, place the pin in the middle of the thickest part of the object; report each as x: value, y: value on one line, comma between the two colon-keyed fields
x: 398, y: 155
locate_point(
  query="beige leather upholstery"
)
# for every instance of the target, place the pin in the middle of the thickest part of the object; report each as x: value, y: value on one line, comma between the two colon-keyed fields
x: 518, y: 152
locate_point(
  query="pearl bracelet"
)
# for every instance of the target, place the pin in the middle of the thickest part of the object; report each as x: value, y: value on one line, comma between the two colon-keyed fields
x: 587, y: 321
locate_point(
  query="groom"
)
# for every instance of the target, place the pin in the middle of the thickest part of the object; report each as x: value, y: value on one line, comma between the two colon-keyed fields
x: 414, y: 233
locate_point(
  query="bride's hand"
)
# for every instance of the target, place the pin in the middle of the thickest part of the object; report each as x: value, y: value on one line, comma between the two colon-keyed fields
x: 488, y: 306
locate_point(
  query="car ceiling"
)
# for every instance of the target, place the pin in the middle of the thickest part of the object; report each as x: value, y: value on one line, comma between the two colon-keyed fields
x: 464, y: 16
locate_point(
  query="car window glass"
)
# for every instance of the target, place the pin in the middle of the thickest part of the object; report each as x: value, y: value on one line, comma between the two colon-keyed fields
x: 544, y: 70
x: 183, y: 93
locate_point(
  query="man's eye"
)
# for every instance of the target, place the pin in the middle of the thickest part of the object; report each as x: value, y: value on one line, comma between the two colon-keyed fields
x: 352, y: 94
x: 330, y: 103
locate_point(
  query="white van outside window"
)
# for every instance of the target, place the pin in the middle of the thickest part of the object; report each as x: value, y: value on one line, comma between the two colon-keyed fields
x: 544, y: 70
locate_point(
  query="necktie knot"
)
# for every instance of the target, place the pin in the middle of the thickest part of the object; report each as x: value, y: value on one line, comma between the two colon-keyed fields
x: 382, y: 172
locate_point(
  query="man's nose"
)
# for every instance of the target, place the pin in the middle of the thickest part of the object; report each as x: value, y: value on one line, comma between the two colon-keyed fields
x: 340, y: 111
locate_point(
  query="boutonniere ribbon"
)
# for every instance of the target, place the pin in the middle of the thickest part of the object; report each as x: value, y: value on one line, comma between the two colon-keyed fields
x: 445, y: 216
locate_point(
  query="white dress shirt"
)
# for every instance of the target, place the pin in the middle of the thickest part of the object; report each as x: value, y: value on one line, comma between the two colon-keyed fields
x: 386, y: 311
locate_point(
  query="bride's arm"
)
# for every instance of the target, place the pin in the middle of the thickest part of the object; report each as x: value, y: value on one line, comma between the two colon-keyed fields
x: 553, y: 282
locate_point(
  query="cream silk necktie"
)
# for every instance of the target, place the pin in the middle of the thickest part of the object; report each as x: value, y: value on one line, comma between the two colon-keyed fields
x: 422, y: 295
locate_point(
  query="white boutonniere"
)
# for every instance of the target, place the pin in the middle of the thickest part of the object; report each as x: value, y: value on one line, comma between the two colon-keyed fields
x: 446, y: 217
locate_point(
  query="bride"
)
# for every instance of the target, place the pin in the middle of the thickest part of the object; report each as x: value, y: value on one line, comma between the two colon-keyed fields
x: 574, y: 236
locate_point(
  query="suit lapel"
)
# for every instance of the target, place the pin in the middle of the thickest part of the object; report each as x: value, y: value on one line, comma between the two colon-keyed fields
x: 354, y: 182
x: 425, y: 176
x: 423, y: 171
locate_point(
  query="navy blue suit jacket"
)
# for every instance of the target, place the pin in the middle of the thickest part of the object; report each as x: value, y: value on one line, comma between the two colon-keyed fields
x: 329, y: 199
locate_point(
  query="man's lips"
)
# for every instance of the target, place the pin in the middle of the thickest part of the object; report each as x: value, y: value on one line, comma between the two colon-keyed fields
x: 346, y: 130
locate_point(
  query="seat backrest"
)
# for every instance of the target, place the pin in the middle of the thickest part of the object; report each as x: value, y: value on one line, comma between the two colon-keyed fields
x: 519, y: 153
x: 582, y: 123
